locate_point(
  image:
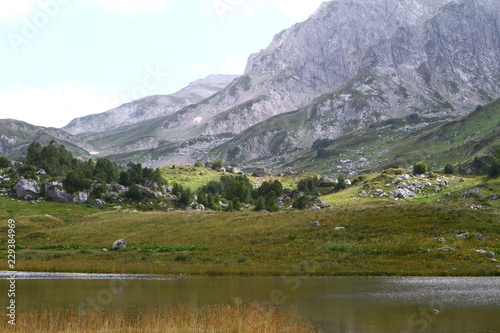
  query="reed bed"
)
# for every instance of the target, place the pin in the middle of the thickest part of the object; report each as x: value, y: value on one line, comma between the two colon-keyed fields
x: 235, y: 318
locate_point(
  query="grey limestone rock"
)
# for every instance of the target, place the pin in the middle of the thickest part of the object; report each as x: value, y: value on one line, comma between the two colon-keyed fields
x: 26, y: 188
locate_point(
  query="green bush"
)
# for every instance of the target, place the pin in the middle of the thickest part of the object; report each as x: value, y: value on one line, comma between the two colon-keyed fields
x: 134, y: 193
x: 494, y: 168
x: 73, y: 183
x: 419, y: 168
x: 449, y: 169
x: 4, y: 162
x: 301, y: 203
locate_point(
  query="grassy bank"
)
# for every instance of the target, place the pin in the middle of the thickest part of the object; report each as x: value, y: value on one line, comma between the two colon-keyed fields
x: 377, y: 239
x: 216, y: 318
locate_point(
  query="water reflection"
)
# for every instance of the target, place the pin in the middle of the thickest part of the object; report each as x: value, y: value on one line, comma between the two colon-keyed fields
x: 346, y: 304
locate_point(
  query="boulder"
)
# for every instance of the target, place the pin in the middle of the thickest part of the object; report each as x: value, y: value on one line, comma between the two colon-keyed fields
x: 440, y: 239
x: 490, y: 254
x: 326, y: 181
x: 113, y: 196
x: 339, y: 228
x: 55, y: 191
x: 149, y: 184
x: 196, y: 207
x: 149, y: 193
x: 315, y: 224
x: 463, y: 235
x: 119, y: 244
x: 260, y: 172
x: 98, y: 203
x: 447, y: 248
x: 481, y: 237
x: 26, y: 188
x: 41, y: 172
x: 120, y: 188
x: 320, y: 203
x: 80, y: 197
x: 403, y: 194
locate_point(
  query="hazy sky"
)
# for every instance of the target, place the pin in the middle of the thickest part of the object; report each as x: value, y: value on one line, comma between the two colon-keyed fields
x: 61, y: 59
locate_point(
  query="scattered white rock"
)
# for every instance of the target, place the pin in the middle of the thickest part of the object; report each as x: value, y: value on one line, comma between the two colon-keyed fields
x: 119, y: 244
x: 447, y: 248
x: 339, y: 228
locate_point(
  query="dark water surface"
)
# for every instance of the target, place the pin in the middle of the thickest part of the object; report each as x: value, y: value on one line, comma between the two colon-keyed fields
x: 335, y: 304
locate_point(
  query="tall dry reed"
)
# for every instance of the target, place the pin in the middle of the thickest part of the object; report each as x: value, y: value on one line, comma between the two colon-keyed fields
x: 234, y: 318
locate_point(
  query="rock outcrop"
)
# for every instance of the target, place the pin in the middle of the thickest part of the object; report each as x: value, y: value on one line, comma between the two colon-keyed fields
x: 27, y: 188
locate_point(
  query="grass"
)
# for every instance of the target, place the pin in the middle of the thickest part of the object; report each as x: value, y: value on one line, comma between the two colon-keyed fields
x: 380, y: 238
x: 215, y: 318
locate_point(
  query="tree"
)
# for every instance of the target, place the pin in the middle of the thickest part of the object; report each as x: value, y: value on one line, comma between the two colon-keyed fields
x: 300, y: 203
x: 34, y: 154
x: 260, y: 205
x: 73, y: 183
x: 134, y: 193
x: 106, y: 171
x: 494, y: 169
x: 449, y: 169
x: 124, y: 178
x: 341, y: 184
x: 185, y: 197
x: 218, y: 164
x: 308, y: 184
x: 272, y: 202
x: 4, y: 162
x: 419, y: 168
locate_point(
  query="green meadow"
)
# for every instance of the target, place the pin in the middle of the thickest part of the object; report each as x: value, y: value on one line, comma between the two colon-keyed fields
x: 377, y: 239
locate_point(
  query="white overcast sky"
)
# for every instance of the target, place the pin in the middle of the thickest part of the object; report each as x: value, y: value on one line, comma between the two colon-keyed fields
x: 62, y: 59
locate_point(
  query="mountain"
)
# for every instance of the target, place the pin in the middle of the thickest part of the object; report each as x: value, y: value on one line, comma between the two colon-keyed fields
x: 395, y: 142
x: 351, y: 64
x: 358, y: 74
x: 149, y: 107
x: 15, y: 137
x: 383, y: 59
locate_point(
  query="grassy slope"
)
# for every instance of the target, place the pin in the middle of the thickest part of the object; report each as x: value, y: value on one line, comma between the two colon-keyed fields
x: 25, y: 133
x: 379, y: 239
x: 404, y: 141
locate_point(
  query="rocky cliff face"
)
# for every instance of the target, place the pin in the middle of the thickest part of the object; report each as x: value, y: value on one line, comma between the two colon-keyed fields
x: 373, y: 60
x: 369, y: 60
x: 149, y: 107
x: 434, y: 58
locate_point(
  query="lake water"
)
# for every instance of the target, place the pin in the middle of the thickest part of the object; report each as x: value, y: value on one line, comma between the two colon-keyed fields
x: 335, y: 304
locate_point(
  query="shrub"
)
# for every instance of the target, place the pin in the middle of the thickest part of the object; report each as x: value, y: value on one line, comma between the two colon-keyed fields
x: 4, y: 162
x: 134, y: 193
x: 420, y: 168
x: 494, y: 169
x: 73, y: 183
x: 449, y: 169
x: 300, y: 203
